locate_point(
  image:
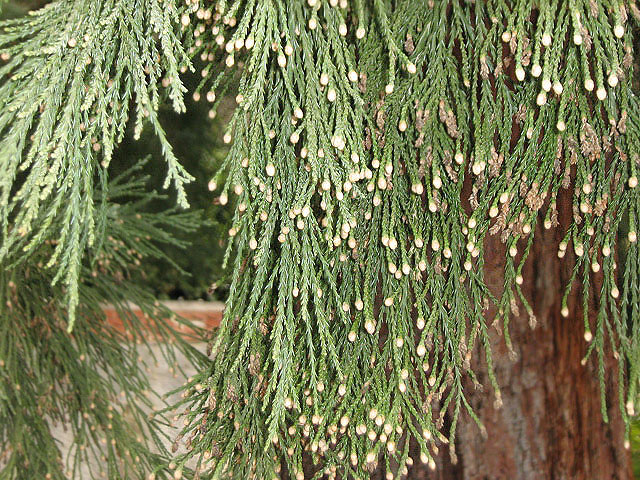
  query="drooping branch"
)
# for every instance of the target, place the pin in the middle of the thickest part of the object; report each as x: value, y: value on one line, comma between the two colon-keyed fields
x: 359, y: 290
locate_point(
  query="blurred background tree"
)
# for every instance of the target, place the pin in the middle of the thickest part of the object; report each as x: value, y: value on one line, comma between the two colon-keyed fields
x: 17, y: 8
x: 198, y: 144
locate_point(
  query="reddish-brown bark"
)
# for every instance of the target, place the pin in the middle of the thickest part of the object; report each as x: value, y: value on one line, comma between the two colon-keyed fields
x: 550, y: 426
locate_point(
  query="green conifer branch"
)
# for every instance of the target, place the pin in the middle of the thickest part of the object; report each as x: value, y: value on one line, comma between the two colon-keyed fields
x: 375, y: 149
x: 71, y: 73
x: 91, y: 383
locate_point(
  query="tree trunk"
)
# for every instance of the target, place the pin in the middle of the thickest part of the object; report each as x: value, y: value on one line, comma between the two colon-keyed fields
x: 550, y: 426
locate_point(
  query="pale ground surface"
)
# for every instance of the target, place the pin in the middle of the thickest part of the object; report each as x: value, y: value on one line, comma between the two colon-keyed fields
x: 161, y: 380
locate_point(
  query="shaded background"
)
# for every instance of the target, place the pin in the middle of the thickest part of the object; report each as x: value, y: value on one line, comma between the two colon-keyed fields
x: 197, y: 141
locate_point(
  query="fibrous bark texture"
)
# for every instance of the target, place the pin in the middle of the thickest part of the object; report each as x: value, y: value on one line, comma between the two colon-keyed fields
x: 550, y: 425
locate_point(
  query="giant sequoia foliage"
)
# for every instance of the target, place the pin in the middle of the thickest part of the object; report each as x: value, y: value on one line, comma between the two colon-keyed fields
x: 374, y: 148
